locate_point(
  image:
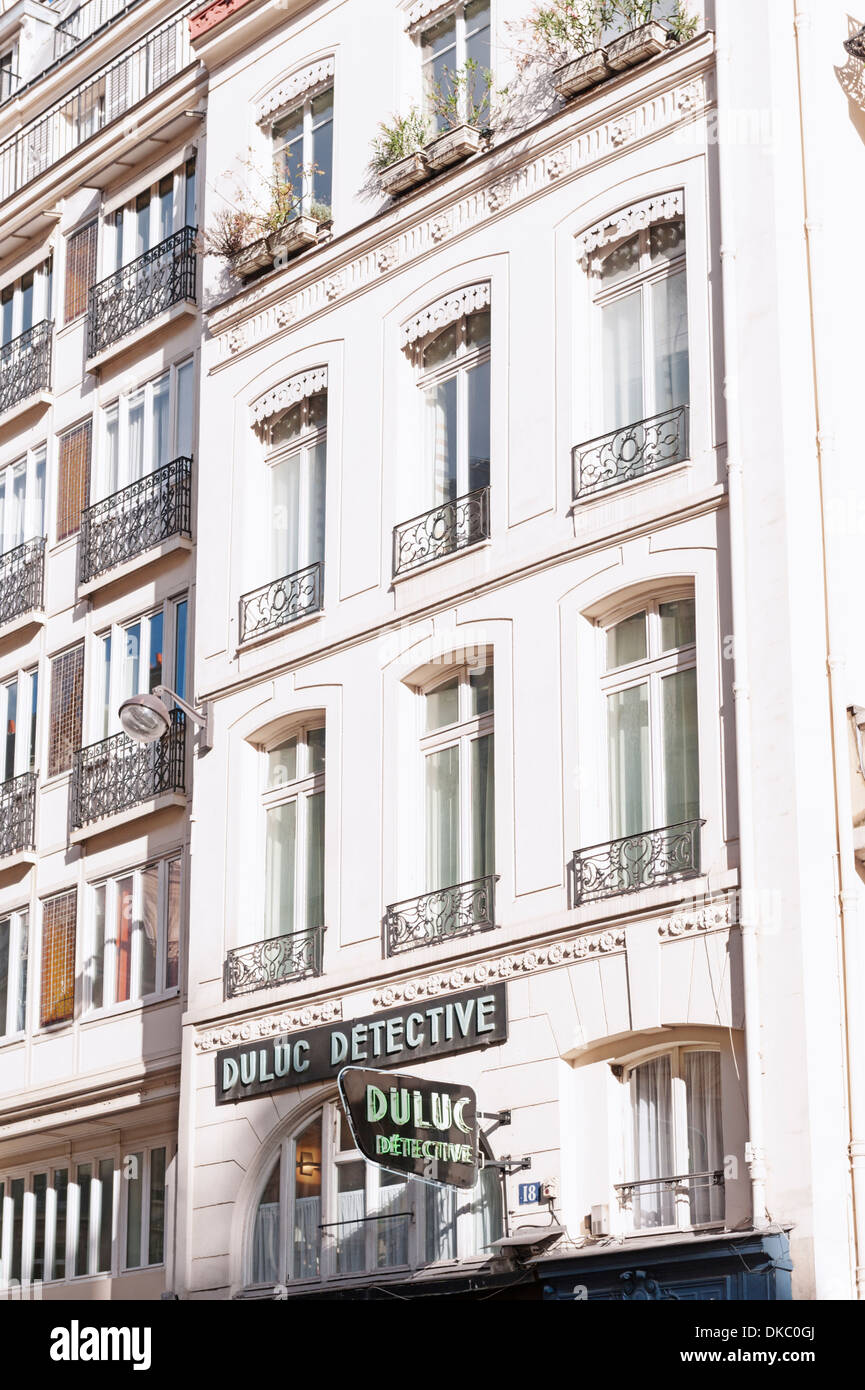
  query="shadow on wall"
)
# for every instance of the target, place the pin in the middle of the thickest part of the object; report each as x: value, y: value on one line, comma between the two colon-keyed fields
x: 851, y: 78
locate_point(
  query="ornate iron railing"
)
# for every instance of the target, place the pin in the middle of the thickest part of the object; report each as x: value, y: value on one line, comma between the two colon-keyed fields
x: 635, y: 862
x: 87, y: 19
x: 118, y: 773
x: 135, y: 519
x: 22, y: 576
x: 623, y: 455
x: 462, y: 910
x: 292, y: 956
x: 684, y: 1182
x: 283, y: 602
x: 107, y: 95
x: 135, y: 294
x: 441, y: 531
x: 18, y: 815
x: 25, y: 365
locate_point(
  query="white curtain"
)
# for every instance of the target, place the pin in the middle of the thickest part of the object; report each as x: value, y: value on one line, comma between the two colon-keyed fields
x: 351, y: 1243
x: 443, y: 818
x: 279, y: 869
x: 681, y: 753
x: 705, y: 1142
x: 265, y: 1244
x: 628, y: 746
x: 670, y: 313
x: 307, y: 1237
x: 487, y: 1210
x: 623, y: 362
x: 652, y: 1118
x: 286, y: 517
x: 441, y: 434
x: 441, y: 1223
x: 135, y: 442
x: 392, y: 1235
x: 483, y: 807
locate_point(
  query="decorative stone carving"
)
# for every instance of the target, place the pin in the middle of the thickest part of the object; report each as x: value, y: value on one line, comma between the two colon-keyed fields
x: 451, y: 307
x: 293, y: 88
x: 688, y: 98
x: 387, y: 257
x: 288, y: 393
x: 622, y: 131
x: 440, y: 227
x: 558, y: 162
x: 665, y: 208
x: 499, y: 195
x: 269, y: 1025
x: 424, y: 8
x: 712, y: 917
x: 334, y: 285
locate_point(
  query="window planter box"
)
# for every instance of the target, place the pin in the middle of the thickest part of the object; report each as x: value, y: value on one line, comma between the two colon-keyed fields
x: 636, y: 46
x: 252, y: 258
x: 405, y: 173
x: 291, y: 236
x: 452, y: 146
x: 578, y: 74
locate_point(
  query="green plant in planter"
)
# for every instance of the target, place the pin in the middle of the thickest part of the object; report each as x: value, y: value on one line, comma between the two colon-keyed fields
x: 465, y: 96
x: 321, y: 212
x: 635, y: 13
x: 398, y: 138
x: 570, y: 28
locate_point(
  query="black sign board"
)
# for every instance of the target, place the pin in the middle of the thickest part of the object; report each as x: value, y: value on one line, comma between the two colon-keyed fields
x: 424, y: 1028
x: 412, y: 1126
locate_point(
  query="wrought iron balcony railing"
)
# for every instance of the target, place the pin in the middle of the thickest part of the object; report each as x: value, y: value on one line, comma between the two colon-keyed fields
x: 135, y: 519
x: 106, y: 96
x: 441, y: 531
x: 18, y: 815
x: 292, y: 956
x: 462, y: 910
x: 25, y: 365
x: 628, y: 453
x: 138, y: 292
x: 635, y: 862
x: 685, y: 1182
x: 87, y: 19
x: 117, y: 773
x: 22, y: 576
x: 281, y: 603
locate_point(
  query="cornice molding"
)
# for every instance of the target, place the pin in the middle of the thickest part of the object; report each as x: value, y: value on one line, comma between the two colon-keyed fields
x: 468, y: 300
x: 717, y: 916
x: 268, y: 1025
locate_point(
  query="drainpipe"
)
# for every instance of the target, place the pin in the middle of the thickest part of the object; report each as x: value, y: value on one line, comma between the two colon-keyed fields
x: 849, y: 892
x: 754, y: 1148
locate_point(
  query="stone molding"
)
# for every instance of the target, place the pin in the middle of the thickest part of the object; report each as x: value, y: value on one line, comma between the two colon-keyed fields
x: 712, y: 917
x: 468, y: 300
x: 287, y: 92
x: 664, y: 208
x: 287, y: 394
x: 251, y: 1029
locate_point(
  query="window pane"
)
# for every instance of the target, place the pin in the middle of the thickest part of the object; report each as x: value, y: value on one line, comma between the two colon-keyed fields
x: 667, y: 241
x: 106, y: 1208
x: 40, y: 1188
x: 440, y: 1225
x: 265, y: 1235
x: 112, y: 450
x: 282, y: 764
x: 483, y: 807
x: 681, y: 756
x: 36, y: 504
x: 189, y: 191
x: 391, y: 1236
x: 80, y: 270
x: 628, y: 734
x: 133, y: 1172
x: 670, y: 312
x: 34, y: 707
x: 97, y: 958
x: 678, y: 624
x: 481, y: 688
x: 478, y: 39
x: 61, y: 1195
x: 623, y: 362
x: 131, y: 661
x: 314, y: 539
x: 5, y: 948
x: 285, y: 483
x: 155, y: 672
x: 478, y: 381
x: 84, y: 1178
x: 442, y: 818
x: 442, y: 348
x: 438, y: 46
x: 280, y: 869
x: 156, y: 1240
x: 123, y: 941
x: 20, y: 1017
x: 315, y: 741
x: 443, y: 705
x: 626, y: 642
x: 181, y: 612
x: 161, y: 421
x: 315, y: 860
x: 478, y: 329
x: 135, y: 436
x: 653, y: 1153
x: 487, y: 1210
x: 440, y: 402
x: 622, y: 261
x: 172, y: 943
x: 16, y: 1189
x: 705, y: 1142
x: 149, y: 927
x: 322, y: 149
x: 306, y: 1238
x: 184, y: 429
x: 351, y: 1209
x: 106, y: 685
x: 9, y: 742
x: 166, y: 206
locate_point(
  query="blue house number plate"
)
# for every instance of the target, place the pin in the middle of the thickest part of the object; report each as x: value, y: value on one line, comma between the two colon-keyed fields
x: 530, y: 1194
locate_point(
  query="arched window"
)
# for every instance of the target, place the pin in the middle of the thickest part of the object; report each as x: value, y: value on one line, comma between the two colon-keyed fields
x: 312, y: 1214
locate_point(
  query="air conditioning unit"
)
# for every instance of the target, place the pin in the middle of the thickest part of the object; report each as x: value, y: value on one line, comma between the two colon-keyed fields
x: 600, y: 1221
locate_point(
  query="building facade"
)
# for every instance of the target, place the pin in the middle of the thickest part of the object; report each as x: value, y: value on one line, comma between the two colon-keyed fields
x: 526, y: 535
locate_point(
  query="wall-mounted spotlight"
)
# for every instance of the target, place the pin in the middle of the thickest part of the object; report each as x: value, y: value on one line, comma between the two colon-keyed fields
x: 146, y: 717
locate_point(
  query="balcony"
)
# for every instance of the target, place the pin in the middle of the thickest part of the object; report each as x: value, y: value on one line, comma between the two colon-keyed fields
x: 117, y: 775
x: 85, y: 21
x: 17, y: 816
x: 445, y: 915
x: 285, y: 601
x: 9, y: 84
x: 137, y: 519
x: 25, y: 366
x: 22, y: 575
x: 265, y: 964
x: 442, y: 531
x: 135, y: 295
x: 689, y: 1199
x: 106, y: 96
x: 629, y: 453
x: 636, y: 862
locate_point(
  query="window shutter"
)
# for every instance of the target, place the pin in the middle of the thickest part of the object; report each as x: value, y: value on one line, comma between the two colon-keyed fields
x: 80, y: 270
x: 73, y: 480
x: 67, y: 691
x: 57, y: 996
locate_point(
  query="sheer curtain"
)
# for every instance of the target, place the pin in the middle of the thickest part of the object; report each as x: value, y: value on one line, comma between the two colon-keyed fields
x: 483, y: 807
x: 279, y: 869
x: 442, y: 818
x: 670, y: 313
x: 623, y: 361
x: 286, y: 517
x: 392, y: 1235
x: 265, y: 1244
x: 487, y: 1210
x: 652, y: 1119
x: 628, y: 742
x: 307, y: 1237
x: 681, y: 766
x: 351, y: 1242
x: 705, y: 1141
x: 441, y: 436
x: 440, y: 1223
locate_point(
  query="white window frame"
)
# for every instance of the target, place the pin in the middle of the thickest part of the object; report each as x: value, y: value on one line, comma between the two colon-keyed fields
x: 459, y: 366
x: 34, y: 462
x: 304, y: 104
x: 121, y: 241
x: 43, y: 281
x: 651, y: 671
x: 463, y: 733
x: 98, y: 715
x: 303, y: 445
x: 19, y: 934
x: 102, y: 484
x: 26, y: 720
x: 109, y: 885
x: 299, y: 790
x: 146, y: 1151
x: 456, y: 12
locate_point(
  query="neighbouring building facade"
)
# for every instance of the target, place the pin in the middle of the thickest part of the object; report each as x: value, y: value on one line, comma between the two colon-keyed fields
x: 517, y: 585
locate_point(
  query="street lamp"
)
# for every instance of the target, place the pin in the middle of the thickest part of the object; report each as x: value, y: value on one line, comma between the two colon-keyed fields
x: 146, y: 717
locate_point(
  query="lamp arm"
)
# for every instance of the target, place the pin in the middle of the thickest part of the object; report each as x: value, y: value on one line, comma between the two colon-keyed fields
x: 200, y: 716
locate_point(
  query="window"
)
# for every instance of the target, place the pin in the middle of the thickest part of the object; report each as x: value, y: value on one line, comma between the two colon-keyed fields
x: 297, y: 459
x: 640, y: 292
x: 303, y: 151
x: 57, y: 996
x: 457, y: 752
x: 80, y: 270
x: 293, y: 802
x: 8, y: 75
x: 73, y: 478
x: 18, y: 705
x: 22, y: 500
x: 146, y: 429
x: 454, y: 381
x: 67, y: 692
x: 26, y: 301
x: 138, y: 656
x: 90, y: 1214
x: 650, y: 688
x: 675, y: 1130
x: 462, y: 36
x: 312, y: 1217
x: 150, y: 218
x: 133, y: 935
x: 13, y: 973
